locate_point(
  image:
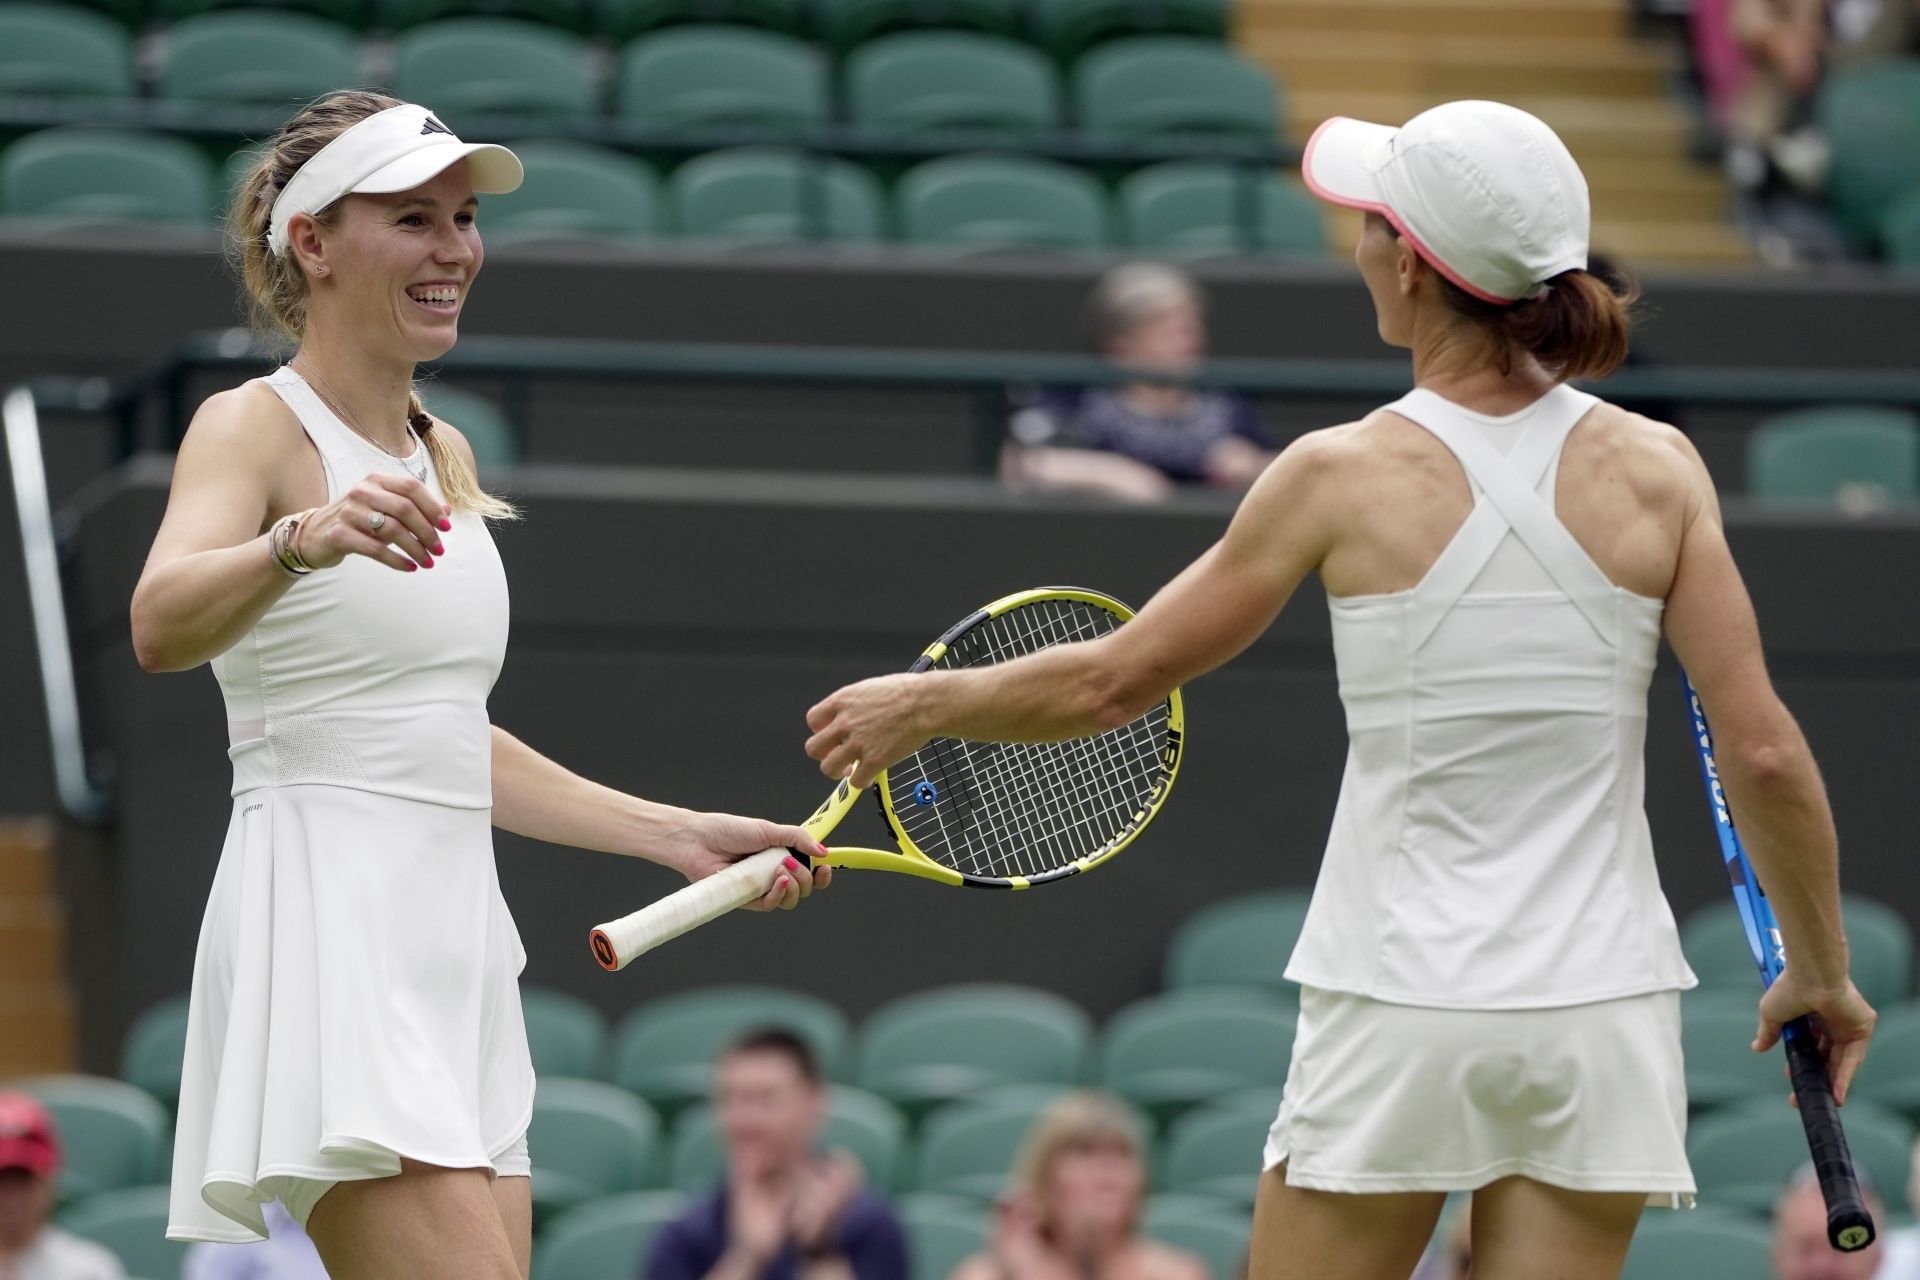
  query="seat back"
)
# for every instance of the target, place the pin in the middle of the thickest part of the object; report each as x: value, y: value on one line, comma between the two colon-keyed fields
x: 507, y: 65
x: 711, y: 76
x: 929, y: 80
x: 56, y: 49
x: 992, y: 201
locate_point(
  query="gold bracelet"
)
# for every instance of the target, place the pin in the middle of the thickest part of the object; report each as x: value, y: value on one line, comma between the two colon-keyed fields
x: 298, y: 561
x: 280, y: 546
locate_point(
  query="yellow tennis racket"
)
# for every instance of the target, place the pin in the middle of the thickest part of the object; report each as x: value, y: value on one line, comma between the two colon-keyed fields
x: 977, y: 815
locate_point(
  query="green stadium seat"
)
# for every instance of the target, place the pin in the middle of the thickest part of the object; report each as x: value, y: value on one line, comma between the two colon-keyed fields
x: 1743, y: 1154
x: 588, y: 1140
x: 863, y: 1124
x: 1068, y: 28
x: 354, y: 13
x: 624, y: 19
x: 1166, y: 1053
x: 467, y: 65
x: 1818, y: 455
x: 664, y: 1050
x: 573, y: 191
x: 1871, y: 117
x: 712, y: 76
x: 112, y: 1135
x: 568, y: 1036
x: 1880, y: 938
x: 1214, y: 1150
x: 918, y: 81
x: 774, y: 195
x: 968, y: 1148
x: 491, y: 434
x: 565, y: 15
x: 942, y: 1232
x: 154, y: 1047
x: 1205, y: 207
x: 56, y: 49
x: 1242, y: 941
x: 86, y: 176
x: 1155, y: 85
x: 944, y: 1044
x: 133, y: 1223
x: 1699, y: 1244
x: 1716, y: 1031
x: 257, y: 56
x: 845, y: 24
x: 1215, y: 1231
x: 605, y: 1239
x: 990, y: 201
x: 1900, y: 232
x: 1890, y: 1076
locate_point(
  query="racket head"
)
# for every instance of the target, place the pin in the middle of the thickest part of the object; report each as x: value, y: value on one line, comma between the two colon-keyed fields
x: 1009, y: 815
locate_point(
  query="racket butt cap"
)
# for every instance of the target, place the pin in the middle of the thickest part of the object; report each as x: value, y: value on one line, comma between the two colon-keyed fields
x: 603, y: 951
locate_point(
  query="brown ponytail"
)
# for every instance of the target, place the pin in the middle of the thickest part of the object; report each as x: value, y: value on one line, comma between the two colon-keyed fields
x: 277, y: 289
x: 1577, y: 329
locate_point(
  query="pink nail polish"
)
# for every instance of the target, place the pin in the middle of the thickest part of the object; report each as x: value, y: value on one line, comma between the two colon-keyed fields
x: 823, y: 850
x: 439, y: 549
x: 411, y: 566
x: 786, y: 882
x: 446, y: 525
x: 791, y: 864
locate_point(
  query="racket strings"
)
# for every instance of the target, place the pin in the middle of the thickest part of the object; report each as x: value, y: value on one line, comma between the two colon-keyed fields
x: 1002, y: 809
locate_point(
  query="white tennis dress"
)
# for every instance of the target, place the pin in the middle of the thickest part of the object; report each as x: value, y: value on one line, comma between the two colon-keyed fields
x: 355, y: 991
x: 1491, y: 971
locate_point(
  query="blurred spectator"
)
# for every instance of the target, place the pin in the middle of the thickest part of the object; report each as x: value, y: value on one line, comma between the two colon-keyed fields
x: 787, y: 1211
x: 1800, y: 1247
x: 1902, y: 1247
x: 31, y: 1247
x: 286, y: 1254
x: 1141, y: 439
x: 1761, y: 63
x: 1074, y: 1208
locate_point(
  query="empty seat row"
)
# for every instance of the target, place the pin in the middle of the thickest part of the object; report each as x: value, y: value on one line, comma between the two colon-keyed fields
x: 1246, y: 940
x: 742, y: 196
x: 1065, y: 28
x: 1871, y: 118
x: 708, y: 76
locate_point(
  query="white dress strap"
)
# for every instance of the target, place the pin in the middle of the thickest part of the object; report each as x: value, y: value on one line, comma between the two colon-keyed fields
x: 1507, y: 498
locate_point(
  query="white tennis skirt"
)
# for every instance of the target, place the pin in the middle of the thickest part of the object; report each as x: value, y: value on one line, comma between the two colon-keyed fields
x: 1388, y: 1097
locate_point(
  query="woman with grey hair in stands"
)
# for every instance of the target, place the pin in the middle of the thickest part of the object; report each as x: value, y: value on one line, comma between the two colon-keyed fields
x: 355, y: 1046
x: 1142, y: 439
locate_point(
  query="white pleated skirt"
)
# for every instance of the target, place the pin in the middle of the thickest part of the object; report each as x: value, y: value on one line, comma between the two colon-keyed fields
x: 1386, y: 1097
x: 355, y: 1000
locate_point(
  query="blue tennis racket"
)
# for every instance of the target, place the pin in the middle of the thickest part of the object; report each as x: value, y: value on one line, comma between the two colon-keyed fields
x: 1849, y: 1225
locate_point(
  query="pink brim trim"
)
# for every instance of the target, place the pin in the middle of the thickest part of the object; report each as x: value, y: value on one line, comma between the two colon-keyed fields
x: 1431, y: 258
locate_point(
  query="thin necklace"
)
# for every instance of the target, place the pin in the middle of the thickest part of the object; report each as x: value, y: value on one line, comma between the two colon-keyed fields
x: 338, y: 406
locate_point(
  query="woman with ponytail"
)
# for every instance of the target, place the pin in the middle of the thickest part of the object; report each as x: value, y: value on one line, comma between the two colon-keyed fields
x: 355, y: 1046
x: 1490, y: 974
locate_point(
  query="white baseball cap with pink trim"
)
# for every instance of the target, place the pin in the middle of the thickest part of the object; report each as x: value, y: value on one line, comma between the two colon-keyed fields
x: 1488, y: 195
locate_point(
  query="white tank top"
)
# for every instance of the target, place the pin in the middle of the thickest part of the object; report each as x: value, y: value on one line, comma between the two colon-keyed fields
x: 368, y: 677
x: 1490, y: 849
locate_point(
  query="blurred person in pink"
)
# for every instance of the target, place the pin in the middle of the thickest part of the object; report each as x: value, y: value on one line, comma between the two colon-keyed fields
x: 31, y: 1247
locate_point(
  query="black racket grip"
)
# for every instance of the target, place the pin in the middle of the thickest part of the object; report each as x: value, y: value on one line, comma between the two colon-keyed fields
x: 1849, y: 1225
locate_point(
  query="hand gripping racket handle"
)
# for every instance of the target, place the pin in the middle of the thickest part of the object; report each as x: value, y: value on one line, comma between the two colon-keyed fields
x: 1849, y: 1225
x: 617, y: 942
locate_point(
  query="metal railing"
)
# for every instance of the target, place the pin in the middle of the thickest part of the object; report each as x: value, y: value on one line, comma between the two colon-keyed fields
x: 521, y: 361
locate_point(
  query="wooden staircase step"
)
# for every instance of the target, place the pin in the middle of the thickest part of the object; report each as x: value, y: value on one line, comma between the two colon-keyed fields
x: 1590, y: 127
x: 1452, y: 67
x: 32, y: 941
x: 1637, y: 243
x: 36, y: 1030
x: 1572, y: 19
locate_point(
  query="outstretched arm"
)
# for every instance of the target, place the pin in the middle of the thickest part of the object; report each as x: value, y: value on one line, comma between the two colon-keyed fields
x: 1214, y: 609
x: 540, y: 799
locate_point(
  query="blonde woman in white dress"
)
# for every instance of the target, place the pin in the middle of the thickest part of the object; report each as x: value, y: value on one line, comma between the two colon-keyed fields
x: 355, y: 1047
x: 1490, y: 973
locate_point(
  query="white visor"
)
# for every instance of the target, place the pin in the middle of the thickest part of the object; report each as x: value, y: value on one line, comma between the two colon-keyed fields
x: 1485, y: 193
x: 392, y: 150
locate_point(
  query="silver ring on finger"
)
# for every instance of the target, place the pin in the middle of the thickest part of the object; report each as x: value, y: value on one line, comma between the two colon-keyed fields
x: 376, y: 521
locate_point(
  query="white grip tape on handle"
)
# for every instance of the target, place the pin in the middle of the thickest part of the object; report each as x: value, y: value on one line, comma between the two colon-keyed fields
x: 617, y: 942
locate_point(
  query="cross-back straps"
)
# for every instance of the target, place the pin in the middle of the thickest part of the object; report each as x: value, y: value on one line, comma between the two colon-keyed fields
x: 1506, y: 498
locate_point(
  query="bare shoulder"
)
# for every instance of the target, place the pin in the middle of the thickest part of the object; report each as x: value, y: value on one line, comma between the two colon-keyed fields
x: 249, y: 420
x: 1654, y: 459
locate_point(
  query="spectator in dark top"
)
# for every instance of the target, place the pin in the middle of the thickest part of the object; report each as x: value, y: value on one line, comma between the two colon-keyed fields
x: 787, y: 1211
x: 1141, y: 439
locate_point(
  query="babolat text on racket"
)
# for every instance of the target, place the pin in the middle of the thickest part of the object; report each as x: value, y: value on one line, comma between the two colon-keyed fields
x: 978, y: 815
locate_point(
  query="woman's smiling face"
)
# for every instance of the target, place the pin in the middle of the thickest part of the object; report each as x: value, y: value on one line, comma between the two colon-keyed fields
x: 402, y: 264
